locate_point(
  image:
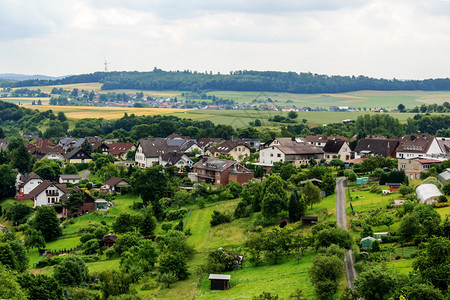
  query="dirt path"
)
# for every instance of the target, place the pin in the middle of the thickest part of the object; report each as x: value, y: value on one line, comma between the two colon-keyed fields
x: 350, y: 271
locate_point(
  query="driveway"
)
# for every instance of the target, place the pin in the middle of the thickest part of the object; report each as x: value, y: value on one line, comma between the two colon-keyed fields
x: 350, y: 271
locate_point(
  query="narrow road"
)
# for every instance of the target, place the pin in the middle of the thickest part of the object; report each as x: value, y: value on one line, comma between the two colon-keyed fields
x: 350, y: 271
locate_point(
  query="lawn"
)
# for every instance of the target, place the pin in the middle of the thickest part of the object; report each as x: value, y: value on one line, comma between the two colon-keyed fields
x: 368, y: 201
x: 249, y: 281
x: 401, y: 266
x: 103, y: 265
x: 206, y: 237
x: 328, y: 205
x: 63, y: 243
x: 444, y: 211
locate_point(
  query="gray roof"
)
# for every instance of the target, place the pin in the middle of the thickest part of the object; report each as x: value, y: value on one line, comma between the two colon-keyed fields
x: 219, y: 276
x: 70, y: 176
x: 427, y: 192
x: 444, y: 176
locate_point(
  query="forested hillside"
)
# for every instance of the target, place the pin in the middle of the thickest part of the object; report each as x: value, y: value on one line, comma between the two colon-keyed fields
x: 267, y: 81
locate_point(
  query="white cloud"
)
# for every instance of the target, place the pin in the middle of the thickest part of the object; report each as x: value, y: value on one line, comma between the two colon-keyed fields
x: 381, y: 38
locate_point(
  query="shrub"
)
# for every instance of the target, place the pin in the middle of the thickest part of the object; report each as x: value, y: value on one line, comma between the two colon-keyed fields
x: 375, y: 189
x: 442, y: 199
x: 86, y: 237
x: 176, y: 214
x: 219, y: 218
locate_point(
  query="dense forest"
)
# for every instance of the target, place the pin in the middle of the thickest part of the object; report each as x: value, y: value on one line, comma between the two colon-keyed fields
x: 267, y: 81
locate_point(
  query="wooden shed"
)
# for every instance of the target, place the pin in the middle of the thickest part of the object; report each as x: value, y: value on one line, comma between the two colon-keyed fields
x: 394, y: 186
x: 309, y: 220
x: 219, y: 281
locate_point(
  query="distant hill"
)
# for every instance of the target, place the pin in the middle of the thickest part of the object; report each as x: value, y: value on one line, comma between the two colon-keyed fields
x: 256, y: 81
x: 20, y: 77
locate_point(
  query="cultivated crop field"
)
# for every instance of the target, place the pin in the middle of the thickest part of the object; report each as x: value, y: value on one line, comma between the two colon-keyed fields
x: 108, y: 113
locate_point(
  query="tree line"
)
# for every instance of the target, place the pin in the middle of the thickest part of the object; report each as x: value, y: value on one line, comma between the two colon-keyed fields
x: 243, y: 80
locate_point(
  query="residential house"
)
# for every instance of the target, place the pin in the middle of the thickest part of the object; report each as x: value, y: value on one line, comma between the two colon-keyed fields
x: 69, y: 178
x: 444, y: 143
x: 374, y: 146
x: 66, y: 143
x: 320, y: 141
x: 26, y: 183
x: 298, y: 154
x: 114, y: 184
x: 285, y: 141
x: 414, y: 166
x: 237, y: 150
x: 184, y: 143
x: 418, y: 145
x: 78, y: 155
x: 48, y: 193
x: 337, y: 148
x: 100, y: 147
x: 221, y: 171
x: 119, y: 150
x: 207, y: 142
x: 55, y: 154
x: 149, y: 151
x: 175, y: 159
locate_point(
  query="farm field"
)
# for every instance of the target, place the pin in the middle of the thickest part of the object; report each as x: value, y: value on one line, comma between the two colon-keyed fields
x: 366, y: 98
x: 26, y: 100
x: 108, y: 113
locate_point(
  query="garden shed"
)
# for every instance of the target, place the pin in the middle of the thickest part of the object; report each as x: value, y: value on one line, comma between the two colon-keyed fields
x: 309, y: 220
x: 393, y: 187
x: 219, y: 281
x: 366, y: 243
x: 428, y: 193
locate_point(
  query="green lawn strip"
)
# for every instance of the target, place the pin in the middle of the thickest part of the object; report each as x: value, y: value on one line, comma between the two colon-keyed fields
x: 103, y: 265
x: 443, y: 211
x: 203, y: 235
x: 185, y: 289
x: 328, y: 205
x: 71, y: 229
x: 33, y: 255
x: 368, y: 201
x: 63, y: 243
x: 404, y: 266
x: 282, y: 279
x: 124, y: 203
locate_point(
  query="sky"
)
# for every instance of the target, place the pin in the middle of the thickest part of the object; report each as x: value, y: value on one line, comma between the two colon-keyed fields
x: 403, y: 39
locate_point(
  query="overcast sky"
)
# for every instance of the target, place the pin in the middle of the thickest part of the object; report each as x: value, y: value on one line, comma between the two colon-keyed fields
x: 405, y: 39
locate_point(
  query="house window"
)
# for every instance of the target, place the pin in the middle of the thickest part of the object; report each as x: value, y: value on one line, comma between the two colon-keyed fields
x: 426, y: 167
x: 48, y: 200
x: 403, y: 166
x: 279, y: 155
x: 271, y: 154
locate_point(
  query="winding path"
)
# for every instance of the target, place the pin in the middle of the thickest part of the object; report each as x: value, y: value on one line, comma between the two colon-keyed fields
x: 350, y: 271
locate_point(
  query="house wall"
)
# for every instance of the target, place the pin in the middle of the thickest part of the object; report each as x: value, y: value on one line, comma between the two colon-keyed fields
x: 79, y: 160
x: 30, y: 185
x: 239, y: 152
x: 43, y: 199
x: 54, y: 156
x: 271, y: 155
x: 241, y: 178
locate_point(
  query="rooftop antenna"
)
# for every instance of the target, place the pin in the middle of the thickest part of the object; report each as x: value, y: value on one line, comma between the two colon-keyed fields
x: 106, y: 66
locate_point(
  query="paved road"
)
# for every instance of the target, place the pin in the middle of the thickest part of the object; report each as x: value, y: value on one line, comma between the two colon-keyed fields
x: 350, y: 271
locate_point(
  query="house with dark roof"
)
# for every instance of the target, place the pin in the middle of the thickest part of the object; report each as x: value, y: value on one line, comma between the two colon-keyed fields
x: 119, y: 150
x: 207, y: 142
x: 371, y: 147
x: 78, y: 155
x: 114, y: 184
x: 48, y: 193
x: 26, y: 183
x: 175, y: 159
x: 149, y: 151
x: 100, y: 147
x: 444, y: 143
x: 337, y: 148
x: 320, y: 141
x: 297, y: 153
x: 221, y: 171
x: 237, y: 150
x: 418, y: 145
